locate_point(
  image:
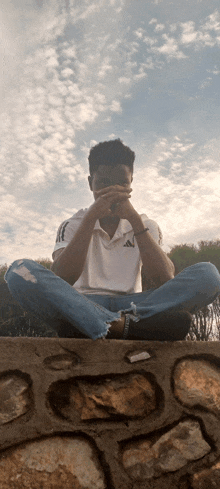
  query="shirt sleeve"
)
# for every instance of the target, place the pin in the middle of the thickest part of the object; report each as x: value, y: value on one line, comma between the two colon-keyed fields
x: 65, y: 233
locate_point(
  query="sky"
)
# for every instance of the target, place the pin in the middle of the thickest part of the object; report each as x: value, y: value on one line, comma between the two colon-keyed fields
x: 77, y: 72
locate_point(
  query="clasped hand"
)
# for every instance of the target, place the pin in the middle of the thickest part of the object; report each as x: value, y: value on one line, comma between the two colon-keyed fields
x: 113, y: 201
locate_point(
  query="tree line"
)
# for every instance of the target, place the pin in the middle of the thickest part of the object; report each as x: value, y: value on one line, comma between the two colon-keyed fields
x: 206, y: 322
x: 205, y: 325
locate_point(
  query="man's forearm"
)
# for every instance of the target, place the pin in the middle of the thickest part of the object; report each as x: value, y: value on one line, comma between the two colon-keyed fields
x: 70, y: 263
x: 156, y: 264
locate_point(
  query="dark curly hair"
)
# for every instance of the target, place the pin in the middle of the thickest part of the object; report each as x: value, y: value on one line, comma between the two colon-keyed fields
x: 110, y: 153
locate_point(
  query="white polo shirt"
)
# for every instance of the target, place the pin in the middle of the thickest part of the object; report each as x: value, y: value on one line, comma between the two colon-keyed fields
x: 113, y: 266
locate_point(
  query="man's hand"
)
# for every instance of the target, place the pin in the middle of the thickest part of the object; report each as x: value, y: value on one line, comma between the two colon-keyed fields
x: 70, y: 263
x: 107, y: 201
x: 124, y: 210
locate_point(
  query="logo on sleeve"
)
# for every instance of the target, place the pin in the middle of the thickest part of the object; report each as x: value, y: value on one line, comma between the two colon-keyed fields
x: 61, y: 232
x: 128, y: 244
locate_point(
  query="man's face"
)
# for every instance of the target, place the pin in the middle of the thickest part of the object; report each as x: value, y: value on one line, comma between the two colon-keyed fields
x: 107, y: 176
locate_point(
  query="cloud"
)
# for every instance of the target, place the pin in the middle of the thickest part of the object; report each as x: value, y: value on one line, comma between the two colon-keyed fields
x: 214, y: 71
x: 188, y: 32
x: 68, y: 71
x: 139, y: 32
x: 206, y: 83
x: 159, y: 27
x: 205, y: 35
x: 186, y: 35
x: 57, y: 95
x: 106, y: 67
x: 213, y: 22
x: 169, y: 48
x: 124, y: 79
x: 26, y: 233
x: 115, y: 106
x: 185, y: 199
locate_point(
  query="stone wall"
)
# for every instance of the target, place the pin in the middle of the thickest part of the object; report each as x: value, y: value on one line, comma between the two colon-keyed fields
x: 109, y: 414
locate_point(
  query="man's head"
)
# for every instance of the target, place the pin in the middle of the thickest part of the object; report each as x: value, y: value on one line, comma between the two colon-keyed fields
x: 110, y: 163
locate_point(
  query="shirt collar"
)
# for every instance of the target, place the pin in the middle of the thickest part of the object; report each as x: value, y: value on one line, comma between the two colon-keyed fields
x: 124, y: 227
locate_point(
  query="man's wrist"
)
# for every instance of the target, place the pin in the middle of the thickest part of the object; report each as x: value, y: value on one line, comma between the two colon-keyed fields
x: 91, y: 216
x: 136, y: 222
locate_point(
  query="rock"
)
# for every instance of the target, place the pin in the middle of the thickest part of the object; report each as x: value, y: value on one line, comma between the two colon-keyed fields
x: 207, y: 479
x: 197, y: 383
x: 14, y: 397
x: 126, y: 395
x: 183, y: 443
x: 52, y: 463
x: 137, y: 356
x: 61, y: 362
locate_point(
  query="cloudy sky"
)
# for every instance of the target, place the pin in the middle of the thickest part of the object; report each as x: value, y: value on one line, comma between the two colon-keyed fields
x: 76, y: 72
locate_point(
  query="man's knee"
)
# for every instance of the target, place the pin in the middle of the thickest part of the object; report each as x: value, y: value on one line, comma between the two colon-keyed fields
x: 204, y: 269
x: 209, y: 271
x: 208, y: 278
x: 21, y: 268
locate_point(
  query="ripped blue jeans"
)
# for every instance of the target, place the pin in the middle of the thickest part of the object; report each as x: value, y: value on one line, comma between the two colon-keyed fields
x: 51, y: 299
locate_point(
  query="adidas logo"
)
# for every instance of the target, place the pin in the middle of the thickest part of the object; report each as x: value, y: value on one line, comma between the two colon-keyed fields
x: 128, y: 244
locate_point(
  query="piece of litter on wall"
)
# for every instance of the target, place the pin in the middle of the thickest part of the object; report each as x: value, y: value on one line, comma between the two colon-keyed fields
x: 138, y: 356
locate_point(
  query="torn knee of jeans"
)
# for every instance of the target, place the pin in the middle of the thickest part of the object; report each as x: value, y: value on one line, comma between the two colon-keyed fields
x: 134, y: 308
x: 25, y: 274
x: 132, y: 312
x: 135, y: 316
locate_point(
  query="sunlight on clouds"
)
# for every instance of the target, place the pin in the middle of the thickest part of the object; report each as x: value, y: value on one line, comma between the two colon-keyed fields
x: 214, y: 71
x: 206, y: 83
x: 141, y: 73
x: 139, y: 33
x: 188, y: 33
x: 105, y: 68
x: 71, y: 69
x: 170, y: 48
x: 149, y: 40
x: 201, y: 37
x: 159, y: 27
x: 213, y: 22
x: 61, y: 102
x: 83, y: 12
x: 26, y: 233
x: 25, y: 230
x: 123, y: 79
x: 181, y: 206
x: 115, y: 106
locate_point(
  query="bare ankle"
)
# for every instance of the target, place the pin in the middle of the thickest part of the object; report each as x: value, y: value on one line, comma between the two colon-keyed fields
x: 117, y: 328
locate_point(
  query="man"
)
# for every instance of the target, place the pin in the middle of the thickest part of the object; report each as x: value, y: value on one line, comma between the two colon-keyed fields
x: 100, y: 253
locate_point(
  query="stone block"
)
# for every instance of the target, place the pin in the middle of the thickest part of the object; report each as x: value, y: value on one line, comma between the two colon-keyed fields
x: 111, y: 414
x: 52, y: 463
x: 15, y: 397
x: 174, y: 449
x: 197, y: 383
x: 208, y: 478
x: 66, y: 361
x: 126, y: 395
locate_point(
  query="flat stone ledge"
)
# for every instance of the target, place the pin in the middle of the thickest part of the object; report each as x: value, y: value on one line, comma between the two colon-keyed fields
x: 114, y: 396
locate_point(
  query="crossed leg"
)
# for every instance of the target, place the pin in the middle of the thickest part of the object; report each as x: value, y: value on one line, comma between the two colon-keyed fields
x: 52, y: 299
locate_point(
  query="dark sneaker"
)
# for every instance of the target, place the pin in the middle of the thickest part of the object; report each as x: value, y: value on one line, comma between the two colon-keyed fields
x: 67, y: 330
x: 21, y: 327
x: 164, y: 326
